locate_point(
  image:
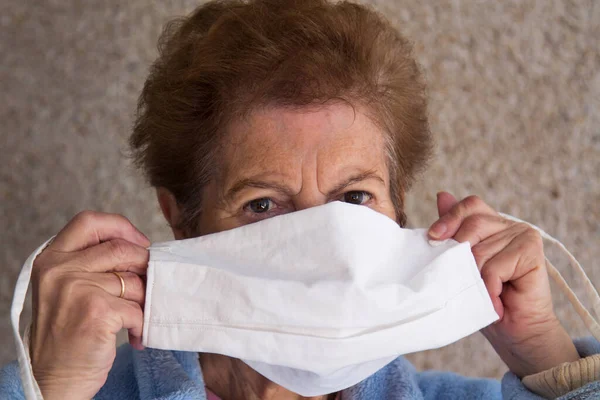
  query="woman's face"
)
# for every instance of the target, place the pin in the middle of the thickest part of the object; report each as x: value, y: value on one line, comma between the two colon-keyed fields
x: 279, y: 160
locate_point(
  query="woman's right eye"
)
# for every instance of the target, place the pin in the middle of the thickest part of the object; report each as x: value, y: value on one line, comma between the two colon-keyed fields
x: 259, y: 206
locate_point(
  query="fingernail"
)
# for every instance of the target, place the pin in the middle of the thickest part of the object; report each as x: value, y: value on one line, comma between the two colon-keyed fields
x: 437, y: 230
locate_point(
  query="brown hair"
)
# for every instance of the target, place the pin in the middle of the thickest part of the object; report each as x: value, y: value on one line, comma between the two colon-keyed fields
x: 230, y: 56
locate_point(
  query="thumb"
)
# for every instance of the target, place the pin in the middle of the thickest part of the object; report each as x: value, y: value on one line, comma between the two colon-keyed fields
x: 445, y: 201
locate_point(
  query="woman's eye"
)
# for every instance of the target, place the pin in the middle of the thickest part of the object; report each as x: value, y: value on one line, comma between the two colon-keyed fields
x: 259, y: 206
x: 357, y: 197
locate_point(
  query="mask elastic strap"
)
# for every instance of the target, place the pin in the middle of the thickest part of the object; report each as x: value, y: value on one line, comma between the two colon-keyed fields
x: 588, y: 319
x: 30, y: 387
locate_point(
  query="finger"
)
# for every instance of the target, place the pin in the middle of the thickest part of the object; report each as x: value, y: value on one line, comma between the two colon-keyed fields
x: 128, y: 315
x: 448, y: 224
x: 136, y: 342
x: 502, y: 267
x: 114, y: 255
x: 516, y: 265
x: 479, y: 227
x: 488, y: 248
x: 89, y: 228
x: 135, y: 289
x: 445, y: 201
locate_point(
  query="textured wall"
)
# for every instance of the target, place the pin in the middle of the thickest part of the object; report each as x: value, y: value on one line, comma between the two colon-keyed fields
x: 515, y: 107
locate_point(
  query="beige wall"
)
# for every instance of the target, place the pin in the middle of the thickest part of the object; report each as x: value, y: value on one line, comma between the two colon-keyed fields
x: 515, y: 107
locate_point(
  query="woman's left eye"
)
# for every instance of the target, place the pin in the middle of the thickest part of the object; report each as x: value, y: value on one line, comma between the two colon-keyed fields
x: 357, y: 197
x: 260, y: 206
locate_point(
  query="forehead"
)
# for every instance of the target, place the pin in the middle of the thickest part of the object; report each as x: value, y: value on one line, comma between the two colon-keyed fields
x: 281, y: 138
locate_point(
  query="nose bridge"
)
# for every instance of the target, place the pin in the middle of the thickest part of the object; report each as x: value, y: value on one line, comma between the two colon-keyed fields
x: 301, y: 204
x: 310, y: 194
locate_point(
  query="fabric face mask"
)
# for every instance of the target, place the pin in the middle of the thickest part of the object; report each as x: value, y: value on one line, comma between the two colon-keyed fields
x: 315, y: 300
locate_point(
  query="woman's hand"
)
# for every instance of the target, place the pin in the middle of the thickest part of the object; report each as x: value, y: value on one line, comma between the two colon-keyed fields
x: 77, y: 311
x: 510, y: 255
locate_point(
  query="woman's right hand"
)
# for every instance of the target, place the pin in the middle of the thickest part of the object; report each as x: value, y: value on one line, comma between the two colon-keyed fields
x: 77, y: 311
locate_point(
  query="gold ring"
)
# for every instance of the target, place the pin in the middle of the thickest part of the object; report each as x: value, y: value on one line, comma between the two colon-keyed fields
x: 122, y: 284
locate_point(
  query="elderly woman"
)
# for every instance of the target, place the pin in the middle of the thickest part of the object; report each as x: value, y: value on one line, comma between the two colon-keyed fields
x: 256, y: 109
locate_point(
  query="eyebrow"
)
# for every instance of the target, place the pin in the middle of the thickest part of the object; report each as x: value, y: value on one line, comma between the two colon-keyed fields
x: 286, y: 190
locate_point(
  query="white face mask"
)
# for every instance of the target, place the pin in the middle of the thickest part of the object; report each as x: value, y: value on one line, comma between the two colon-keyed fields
x: 315, y: 300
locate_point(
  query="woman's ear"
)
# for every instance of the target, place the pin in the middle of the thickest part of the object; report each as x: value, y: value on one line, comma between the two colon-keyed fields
x: 170, y: 209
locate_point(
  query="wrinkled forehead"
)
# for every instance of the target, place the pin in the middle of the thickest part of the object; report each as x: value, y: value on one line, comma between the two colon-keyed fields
x: 324, y: 138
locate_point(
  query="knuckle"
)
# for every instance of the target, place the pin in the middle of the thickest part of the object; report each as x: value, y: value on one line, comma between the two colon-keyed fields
x: 472, y: 201
x: 123, y: 220
x: 47, y: 259
x: 535, y: 238
x: 40, y: 261
x: 86, y: 217
x: 38, y: 264
x: 465, y: 206
x: 47, y: 276
x: 95, y: 307
x: 69, y: 291
x: 44, y: 284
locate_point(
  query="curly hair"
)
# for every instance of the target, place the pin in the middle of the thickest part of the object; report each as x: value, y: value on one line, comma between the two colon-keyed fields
x: 229, y: 57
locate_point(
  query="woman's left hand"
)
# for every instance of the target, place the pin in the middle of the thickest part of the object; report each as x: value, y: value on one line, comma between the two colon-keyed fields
x: 510, y: 255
